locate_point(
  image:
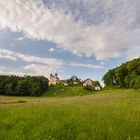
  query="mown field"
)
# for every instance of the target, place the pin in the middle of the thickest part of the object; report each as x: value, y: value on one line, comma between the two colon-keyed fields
x: 105, y: 115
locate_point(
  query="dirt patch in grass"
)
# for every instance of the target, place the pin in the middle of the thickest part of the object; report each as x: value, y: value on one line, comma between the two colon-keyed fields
x: 13, y: 102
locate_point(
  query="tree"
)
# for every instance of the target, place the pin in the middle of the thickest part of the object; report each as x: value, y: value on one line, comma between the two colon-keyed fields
x: 124, y: 76
x: 35, y: 89
x: 137, y: 83
x: 109, y: 78
x: 23, y: 87
x: 121, y: 73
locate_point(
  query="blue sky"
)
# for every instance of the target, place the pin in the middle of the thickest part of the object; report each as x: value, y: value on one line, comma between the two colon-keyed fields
x: 70, y: 37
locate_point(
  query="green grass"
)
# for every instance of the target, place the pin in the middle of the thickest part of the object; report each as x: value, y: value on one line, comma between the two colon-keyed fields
x: 109, y: 115
x: 66, y: 91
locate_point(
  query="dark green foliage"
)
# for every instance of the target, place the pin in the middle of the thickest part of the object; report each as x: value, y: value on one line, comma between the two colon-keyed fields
x: 96, y: 83
x: 125, y: 76
x: 74, y: 80
x: 137, y: 83
x: 109, y: 78
x: 23, y: 86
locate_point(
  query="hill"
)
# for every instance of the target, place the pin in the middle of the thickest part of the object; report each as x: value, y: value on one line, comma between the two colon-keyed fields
x: 66, y: 91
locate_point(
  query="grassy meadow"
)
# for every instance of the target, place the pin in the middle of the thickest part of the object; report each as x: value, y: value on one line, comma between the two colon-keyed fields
x: 104, y: 115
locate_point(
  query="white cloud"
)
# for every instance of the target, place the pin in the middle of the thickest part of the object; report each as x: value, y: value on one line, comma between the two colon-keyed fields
x: 38, y: 66
x: 94, y: 66
x: 8, y: 54
x: 113, y: 33
x: 20, y: 38
x: 11, y: 71
x: 32, y: 69
x: 39, y: 69
x: 5, y: 54
x: 51, y: 49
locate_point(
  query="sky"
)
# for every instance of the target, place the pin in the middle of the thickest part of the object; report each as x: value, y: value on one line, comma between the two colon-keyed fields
x: 68, y: 37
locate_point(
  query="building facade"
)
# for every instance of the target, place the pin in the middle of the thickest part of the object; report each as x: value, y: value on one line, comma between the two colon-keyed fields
x: 88, y: 82
x: 54, y: 79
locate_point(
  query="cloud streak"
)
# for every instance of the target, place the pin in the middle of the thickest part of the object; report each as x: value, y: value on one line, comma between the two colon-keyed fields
x: 93, y: 66
x: 33, y: 65
x: 8, y: 54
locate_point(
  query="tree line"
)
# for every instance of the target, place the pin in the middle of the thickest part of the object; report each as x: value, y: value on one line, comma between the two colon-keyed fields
x: 125, y: 76
x: 23, y: 86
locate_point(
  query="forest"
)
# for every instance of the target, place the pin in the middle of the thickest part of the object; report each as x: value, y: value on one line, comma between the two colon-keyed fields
x: 22, y: 86
x: 125, y: 76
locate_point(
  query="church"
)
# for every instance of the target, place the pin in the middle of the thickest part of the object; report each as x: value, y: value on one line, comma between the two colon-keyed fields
x: 54, y: 79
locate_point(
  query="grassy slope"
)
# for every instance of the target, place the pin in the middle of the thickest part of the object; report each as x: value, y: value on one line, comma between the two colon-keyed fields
x: 93, y: 117
x: 66, y: 91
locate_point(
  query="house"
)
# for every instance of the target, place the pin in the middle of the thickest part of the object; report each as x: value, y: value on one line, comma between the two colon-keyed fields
x: 88, y: 82
x: 54, y: 79
x: 74, y: 80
